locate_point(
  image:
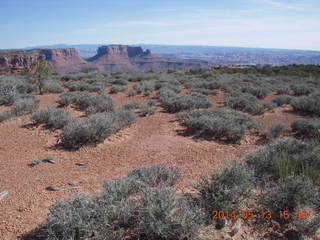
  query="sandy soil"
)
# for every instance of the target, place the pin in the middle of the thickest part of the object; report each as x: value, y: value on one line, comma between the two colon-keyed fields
x: 155, y: 139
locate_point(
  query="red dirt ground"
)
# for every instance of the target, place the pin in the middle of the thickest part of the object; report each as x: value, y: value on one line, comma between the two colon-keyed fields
x: 153, y: 139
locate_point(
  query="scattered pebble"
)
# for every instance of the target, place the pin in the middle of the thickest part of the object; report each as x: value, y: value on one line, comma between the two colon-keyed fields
x: 3, y: 194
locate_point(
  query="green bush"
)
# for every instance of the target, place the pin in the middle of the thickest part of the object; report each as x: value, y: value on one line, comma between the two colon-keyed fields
x: 8, y: 94
x: 125, y: 209
x: 286, y: 157
x: 223, y: 124
x: 243, y: 102
x: 299, y: 90
x: 204, y: 91
x: 307, y: 104
x: 187, y: 102
x: 288, y: 194
x: 282, y: 99
x: 307, y: 128
x: 132, y: 93
x: 116, y: 89
x: 24, y: 105
x: 276, y: 130
x: 52, y: 117
x: 144, y: 109
x: 226, y: 189
x: 259, y: 92
x: 155, y: 175
x: 84, y: 100
x: 52, y: 87
x: 94, y: 129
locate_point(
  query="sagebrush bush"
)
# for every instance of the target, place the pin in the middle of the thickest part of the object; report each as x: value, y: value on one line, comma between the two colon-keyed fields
x: 307, y: 128
x: 243, y: 102
x: 226, y: 189
x: 187, y: 102
x: 276, y: 130
x: 144, y: 109
x: 94, y: 129
x: 259, y: 92
x: 288, y: 194
x: 204, y: 91
x: 116, y: 89
x: 132, y: 93
x: 156, y: 175
x: 307, y: 104
x: 52, y: 117
x: 52, y: 87
x: 8, y: 94
x: 223, y: 124
x: 125, y: 209
x: 286, y: 157
x: 89, y: 102
x: 24, y: 105
x: 299, y: 90
x: 282, y: 99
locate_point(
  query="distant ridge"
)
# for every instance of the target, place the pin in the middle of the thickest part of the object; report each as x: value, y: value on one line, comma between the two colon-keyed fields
x: 214, y: 54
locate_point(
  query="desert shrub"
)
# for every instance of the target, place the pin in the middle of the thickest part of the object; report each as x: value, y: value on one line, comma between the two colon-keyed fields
x: 282, y: 99
x: 155, y: 175
x: 51, y: 87
x: 84, y: 100
x: 8, y: 94
x: 24, y: 105
x: 120, y: 81
x: 116, y: 89
x: 224, y: 124
x: 276, y: 130
x: 146, y: 110
x: 4, y: 115
x: 132, y: 105
x: 284, y: 90
x: 259, y: 92
x: 202, y: 84
x: 187, y: 102
x: 289, y: 194
x: 163, y: 215
x: 299, y: 90
x: 286, y: 157
x: 152, y: 102
x: 268, y: 106
x: 145, y: 87
x: 52, y: 117
x: 226, y: 189
x: 307, y: 104
x: 94, y: 129
x: 164, y: 94
x: 308, y: 128
x: 132, y: 93
x: 204, y: 91
x: 125, y: 209
x: 243, y: 102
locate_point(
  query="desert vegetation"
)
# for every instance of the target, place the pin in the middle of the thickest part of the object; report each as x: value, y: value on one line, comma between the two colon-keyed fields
x: 270, y: 113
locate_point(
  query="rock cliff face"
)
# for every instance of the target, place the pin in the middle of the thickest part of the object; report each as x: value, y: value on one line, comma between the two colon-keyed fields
x: 123, y: 58
x: 113, y: 58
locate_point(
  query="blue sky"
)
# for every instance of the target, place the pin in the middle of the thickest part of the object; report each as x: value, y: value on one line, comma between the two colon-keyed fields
x: 289, y: 24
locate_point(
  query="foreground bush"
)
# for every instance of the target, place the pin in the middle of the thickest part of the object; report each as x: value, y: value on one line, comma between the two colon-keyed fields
x: 94, y: 129
x: 227, y: 189
x: 282, y: 100
x: 223, y: 124
x: 52, y: 117
x: 286, y: 157
x: 307, y: 104
x: 307, y: 128
x: 24, y: 105
x: 124, y: 210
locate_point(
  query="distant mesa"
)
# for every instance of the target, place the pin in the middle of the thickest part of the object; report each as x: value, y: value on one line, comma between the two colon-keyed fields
x: 111, y: 58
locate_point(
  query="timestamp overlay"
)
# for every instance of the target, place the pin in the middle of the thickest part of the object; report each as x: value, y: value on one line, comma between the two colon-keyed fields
x: 267, y: 214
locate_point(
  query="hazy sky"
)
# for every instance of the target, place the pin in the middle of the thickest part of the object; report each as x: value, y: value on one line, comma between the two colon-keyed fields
x: 287, y: 24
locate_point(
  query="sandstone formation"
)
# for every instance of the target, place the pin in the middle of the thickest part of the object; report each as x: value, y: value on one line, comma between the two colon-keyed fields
x: 112, y: 58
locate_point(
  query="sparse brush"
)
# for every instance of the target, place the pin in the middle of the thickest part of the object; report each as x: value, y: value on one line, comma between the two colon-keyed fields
x: 276, y: 130
x: 223, y: 124
x: 307, y: 128
x: 52, y: 117
x: 116, y: 89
